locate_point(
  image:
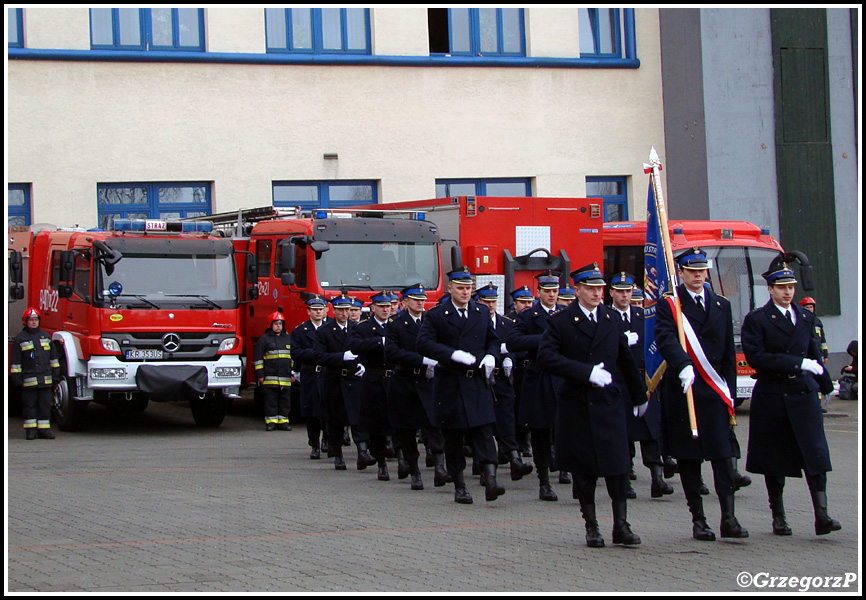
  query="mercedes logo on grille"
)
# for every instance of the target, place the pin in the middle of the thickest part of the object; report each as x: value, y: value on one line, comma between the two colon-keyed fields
x: 171, y: 342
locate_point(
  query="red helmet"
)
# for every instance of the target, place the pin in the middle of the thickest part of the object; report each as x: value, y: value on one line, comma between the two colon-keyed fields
x: 808, y: 300
x: 277, y: 316
x: 30, y: 312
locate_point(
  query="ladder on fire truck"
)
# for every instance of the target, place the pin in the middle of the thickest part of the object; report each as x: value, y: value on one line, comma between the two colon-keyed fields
x: 235, y: 222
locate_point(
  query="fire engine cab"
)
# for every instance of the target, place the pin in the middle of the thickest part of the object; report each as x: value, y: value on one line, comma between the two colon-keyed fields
x: 147, y: 311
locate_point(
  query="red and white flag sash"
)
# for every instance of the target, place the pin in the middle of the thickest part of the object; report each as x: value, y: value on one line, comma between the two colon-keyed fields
x: 706, y: 370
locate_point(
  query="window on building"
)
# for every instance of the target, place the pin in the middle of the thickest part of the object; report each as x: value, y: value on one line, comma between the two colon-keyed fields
x: 18, y: 210
x: 324, y: 194
x: 614, y: 192
x: 476, y: 31
x: 151, y: 201
x: 15, y: 29
x: 147, y: 29
x: 600, y: 32
x: 446, y: 188
x: 318, y: 30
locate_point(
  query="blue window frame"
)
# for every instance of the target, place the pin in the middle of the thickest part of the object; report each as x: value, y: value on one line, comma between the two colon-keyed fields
x: 152, y: 201
x: 600, y: 35
x: 147, y: 29
x: 324, y: 194
x: 477, y: 31
x: 614, y: 192
x: 513, y: 187
x: 15, y: 29
x: 18, y: 206
x: 318, y: 30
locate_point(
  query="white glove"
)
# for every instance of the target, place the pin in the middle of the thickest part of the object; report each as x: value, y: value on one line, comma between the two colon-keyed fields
x: 296, y: 375
x: 687, y: 377
x: 640, y: 409
x: 812, y: 366
x: 488, y: 363
x: 502, y: 348
x: 431, y: 370
x: 349, y: 356
x: 463, y: 357
x: 632, y: 337
x: 600, y: 376
x: 429, y: 362
x: 507, y: 366
x: 359, y: 372
x: 383, y: 341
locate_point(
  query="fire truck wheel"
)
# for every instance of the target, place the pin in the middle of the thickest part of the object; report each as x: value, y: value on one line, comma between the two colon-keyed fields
x: 210, y: 410
x: 68, y: 414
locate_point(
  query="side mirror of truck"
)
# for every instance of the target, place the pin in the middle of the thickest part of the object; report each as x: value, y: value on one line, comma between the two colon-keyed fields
x: 252, y: 292
x: 252, y: 269
x: 64, y: 290
x: 319, y: 247
x: 16, y: 292
x: 67, y: 266
x: 16, y: 274
x: 287, y: 278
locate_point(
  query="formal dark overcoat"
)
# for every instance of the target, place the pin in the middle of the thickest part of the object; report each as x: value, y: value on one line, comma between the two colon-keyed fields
x: 649, y: 426
x: 786, y: 426
x: 410, y: 394
x: 462, y: 397
x: 367, y: 340
x: 590, y: 435
x: 714, y: 328
x: 341, y: 389
x: 538, y: 391
x: 304, y: 359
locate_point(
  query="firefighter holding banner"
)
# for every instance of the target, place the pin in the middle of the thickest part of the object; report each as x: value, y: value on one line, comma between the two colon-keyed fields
x: 712, y: 375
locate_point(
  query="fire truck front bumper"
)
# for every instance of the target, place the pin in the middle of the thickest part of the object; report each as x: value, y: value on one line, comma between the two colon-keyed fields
x: 107, y: 373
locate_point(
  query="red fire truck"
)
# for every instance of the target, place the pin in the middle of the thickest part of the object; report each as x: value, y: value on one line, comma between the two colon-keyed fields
x: 295, y: 255
x: 147, y: 311
x: 738, y: 253
x: 509, y: 240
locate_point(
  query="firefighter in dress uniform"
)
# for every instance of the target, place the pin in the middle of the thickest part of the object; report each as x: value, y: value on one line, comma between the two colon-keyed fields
x: 538, y: 396
x: 710, y: 317
x: 35, y: 368
x: 646, y: 429
x: 272, y: 361
x: 586, y: 347
x: 786, y: 426
x: 459, y: 336
x: 521, y: 299
x: 307, y: 372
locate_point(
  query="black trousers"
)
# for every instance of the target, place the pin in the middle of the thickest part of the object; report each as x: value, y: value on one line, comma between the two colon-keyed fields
x: 584, y: 486
x: 650, y: 453
x: 540, y: 439
x: 335, y: 437
x: 36, y: 405
x: 723, y: 476
x: 483, y: 447
x: 314, y: 430
x: 277, y: 401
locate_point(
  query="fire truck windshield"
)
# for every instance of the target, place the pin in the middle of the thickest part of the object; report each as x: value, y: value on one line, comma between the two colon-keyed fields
x: 171, y: 281
x: 736, y: 275
x: 390, y: 265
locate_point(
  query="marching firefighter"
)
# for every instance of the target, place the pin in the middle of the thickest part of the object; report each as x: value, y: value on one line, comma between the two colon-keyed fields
x: 273, y: 364
x: 35, y: 369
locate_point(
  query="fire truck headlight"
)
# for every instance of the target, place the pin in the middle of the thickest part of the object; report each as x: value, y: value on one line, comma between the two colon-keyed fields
x: 110, y: 345
x: 227, y: 372
x: 111, y: 373
x: 227, y: 345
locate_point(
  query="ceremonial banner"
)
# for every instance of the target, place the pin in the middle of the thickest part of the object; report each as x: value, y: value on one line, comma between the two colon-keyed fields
x: 656, y: 283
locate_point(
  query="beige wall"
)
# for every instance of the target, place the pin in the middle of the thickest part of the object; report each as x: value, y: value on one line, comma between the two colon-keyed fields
x: 74, y: 124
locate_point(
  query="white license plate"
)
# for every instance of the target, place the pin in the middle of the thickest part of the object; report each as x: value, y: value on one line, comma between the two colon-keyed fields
x: 744, y: 392
x: 144, y: 355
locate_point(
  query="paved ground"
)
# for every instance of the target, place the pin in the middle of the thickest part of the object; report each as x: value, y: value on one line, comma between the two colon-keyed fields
x: 150, y: 503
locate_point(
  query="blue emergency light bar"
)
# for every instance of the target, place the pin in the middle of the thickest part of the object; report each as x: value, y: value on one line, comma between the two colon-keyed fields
x: 158, y: 225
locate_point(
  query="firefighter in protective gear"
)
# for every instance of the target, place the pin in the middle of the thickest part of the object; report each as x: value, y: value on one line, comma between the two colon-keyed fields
x: 273, y: 365
x: 35, y: 368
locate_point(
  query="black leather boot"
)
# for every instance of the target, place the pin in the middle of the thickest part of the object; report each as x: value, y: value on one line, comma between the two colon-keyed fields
x: 518, y: 467
x: 775, y: 488
x: 492, y: 489
x: 339, y: 463
x: 700, y: 530
x: 440, y: 475
x: 365, y: 459
x: 730, y: 527
x: 622, y: 533
x: 671, y: 467
x: 383, y: 474
x: 564, y: 477
x: 315, y: 453
x: 593, y: 535
x: 402, y: 465
x: 30, y: 433
x: 461, y: 494
x: 415, y: 473
x: 545, y: 492
x: 824, y: 524
x: 659, y: 486
x: 740, y: 480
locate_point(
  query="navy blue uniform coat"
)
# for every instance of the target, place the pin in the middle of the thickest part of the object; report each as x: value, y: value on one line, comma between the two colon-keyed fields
x: 715, y: 330
x: 590, y: 431
x: 461, y: 401
x: 538, y: 394
x: 341, y: 396
x: 304, y: 361
x: 366, y: 340
x: 649, y: 426
x: 786, y: 427
x: 410, y: 395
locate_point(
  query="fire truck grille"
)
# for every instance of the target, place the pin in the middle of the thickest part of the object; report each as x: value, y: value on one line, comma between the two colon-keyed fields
x: 169, y: 346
